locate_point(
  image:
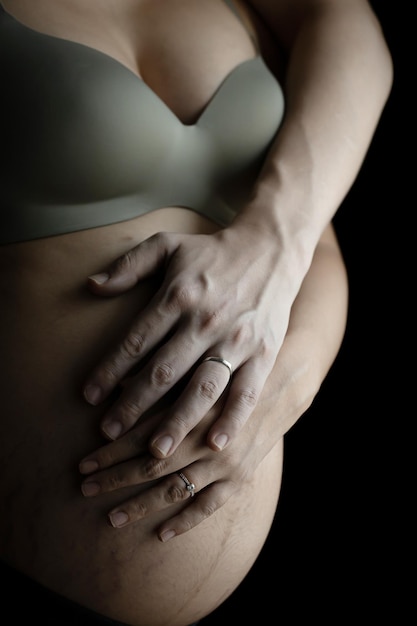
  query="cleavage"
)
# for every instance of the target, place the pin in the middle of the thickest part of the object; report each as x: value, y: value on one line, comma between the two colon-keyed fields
x: 185, y: 83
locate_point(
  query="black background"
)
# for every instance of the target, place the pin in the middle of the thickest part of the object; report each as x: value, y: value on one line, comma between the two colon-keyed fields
x: 338, y: 548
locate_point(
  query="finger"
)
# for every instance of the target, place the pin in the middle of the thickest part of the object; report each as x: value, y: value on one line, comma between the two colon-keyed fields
x: 142, y: 391
x: 153, y: 324
x: 171, y: 491
x: 137, y: 471
x: 207, y: 385
x: 207, y: 502
x: 166, y: 493
x: 136, y: 264
x: 133, y: 444
x: 242, y: 397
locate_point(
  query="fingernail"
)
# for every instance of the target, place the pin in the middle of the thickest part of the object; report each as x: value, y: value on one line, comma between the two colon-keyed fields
x: 220, y: 441
x: 112, y: 429
x: 163, y: 444
x: 86, y: 467
x: 90, y: 489
x: 92, y: 393
x: 99, y: 278
x: 118, y: 519
x: 167, y: 535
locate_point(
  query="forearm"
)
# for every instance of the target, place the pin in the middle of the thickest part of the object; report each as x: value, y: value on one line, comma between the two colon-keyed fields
x: 232, y: 292
x: 337, y: 81
x: 315, y: 333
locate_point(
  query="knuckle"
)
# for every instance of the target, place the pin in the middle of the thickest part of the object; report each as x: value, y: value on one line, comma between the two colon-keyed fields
x: 160, y: 239
x: 211, y: 321
x: 134, y: 441
x: 175, y: 493
x: 266, y: 349
x: 110, y: 372
x: 125, y: 262
x: 114, y: 482
x: 248, y: 397
x: 132, y: 345
x: 161, y: 374
x: 105, y: 457
x: 129, y: 411
x: 208, y: 389
x: 208, y: 509
x: 179, y: 423
x: 242, y: 334
x: 181, y: 297
x: 186, y: 526
x: 138, y: 509
x: 155, y: 468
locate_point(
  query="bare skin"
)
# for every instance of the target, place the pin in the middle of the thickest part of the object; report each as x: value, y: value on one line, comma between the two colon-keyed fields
x: 52, y: 532
x: 337, y: 78
x: 53, y: 331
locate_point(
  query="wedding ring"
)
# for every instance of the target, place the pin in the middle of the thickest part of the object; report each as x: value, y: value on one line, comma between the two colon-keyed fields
x: 189, y: 486
x: 219, y: 359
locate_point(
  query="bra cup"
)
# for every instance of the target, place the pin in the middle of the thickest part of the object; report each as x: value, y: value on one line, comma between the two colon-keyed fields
x: 87, y: 143
x: 79, y: 134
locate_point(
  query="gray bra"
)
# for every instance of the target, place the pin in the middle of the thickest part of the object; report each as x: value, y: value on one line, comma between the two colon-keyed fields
x: 85, y: 142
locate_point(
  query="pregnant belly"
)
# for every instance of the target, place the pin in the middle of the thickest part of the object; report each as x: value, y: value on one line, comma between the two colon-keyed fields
x: 52, y: 331
x: 53, y: 534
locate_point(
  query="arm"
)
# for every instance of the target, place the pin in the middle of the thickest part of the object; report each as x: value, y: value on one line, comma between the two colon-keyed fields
x: 231, y: 293
x: 338, y: 78
x: 314, y: 336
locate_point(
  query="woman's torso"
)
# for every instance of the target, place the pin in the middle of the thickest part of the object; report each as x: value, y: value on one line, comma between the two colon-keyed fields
x: 52, y: 331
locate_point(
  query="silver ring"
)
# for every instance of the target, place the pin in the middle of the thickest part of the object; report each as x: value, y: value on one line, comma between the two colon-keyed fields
x: 189, y: 486
x: 219, y: 359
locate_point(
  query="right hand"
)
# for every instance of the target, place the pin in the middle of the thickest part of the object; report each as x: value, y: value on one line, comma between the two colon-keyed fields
x: 225, y: 294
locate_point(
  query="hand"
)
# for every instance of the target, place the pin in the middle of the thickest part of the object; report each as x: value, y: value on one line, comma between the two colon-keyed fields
x: 315, y: 332
x: 215, y: 476
x: 221, y: 294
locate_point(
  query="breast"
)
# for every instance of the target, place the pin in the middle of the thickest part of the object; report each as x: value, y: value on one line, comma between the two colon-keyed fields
x: 85, y: 135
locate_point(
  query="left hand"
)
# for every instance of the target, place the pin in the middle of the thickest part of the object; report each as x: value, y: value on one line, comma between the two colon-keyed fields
x: 215, y: 476
x: 225, y: 295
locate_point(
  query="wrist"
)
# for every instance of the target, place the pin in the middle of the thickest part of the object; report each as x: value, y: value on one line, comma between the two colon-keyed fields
x: 282, y: 222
